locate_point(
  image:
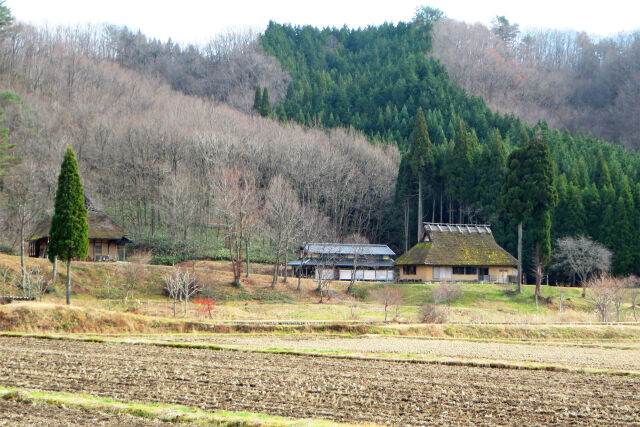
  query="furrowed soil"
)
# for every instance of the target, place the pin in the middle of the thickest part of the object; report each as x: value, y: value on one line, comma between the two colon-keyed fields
x: 620, y: 357
x: 400, y: 393
x: 18, y: 413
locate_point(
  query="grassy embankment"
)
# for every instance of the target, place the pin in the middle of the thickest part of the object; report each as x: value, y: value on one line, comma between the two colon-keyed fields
x: 162, y: 412
x: 256, y: 301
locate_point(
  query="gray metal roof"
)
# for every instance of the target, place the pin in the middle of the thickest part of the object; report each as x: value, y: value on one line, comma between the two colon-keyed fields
x: 458, y: 228
x: 347, y: 249
x: 343, y: 262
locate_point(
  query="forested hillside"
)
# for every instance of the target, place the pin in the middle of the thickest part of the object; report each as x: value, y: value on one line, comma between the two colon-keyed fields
x: 376, y: 79
x: 150, y: 126
x: 149, y: 155
x: 570, y: 79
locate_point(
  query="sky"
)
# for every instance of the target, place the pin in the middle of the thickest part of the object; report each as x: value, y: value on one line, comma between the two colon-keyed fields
x: 191, y: 21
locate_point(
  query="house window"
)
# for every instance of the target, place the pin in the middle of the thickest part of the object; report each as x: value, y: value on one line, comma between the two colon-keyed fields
x: 483, y: 271
x: 409, y: 270
x: 465, y: 270
x: 97, y: 249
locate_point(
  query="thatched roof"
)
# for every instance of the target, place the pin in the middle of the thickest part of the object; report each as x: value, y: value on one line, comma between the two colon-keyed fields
x: 454, y: 245
x: 100, y: 227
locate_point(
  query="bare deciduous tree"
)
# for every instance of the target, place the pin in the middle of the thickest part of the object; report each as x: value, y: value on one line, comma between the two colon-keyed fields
x: 604, y: 291
x: 284, y: 217
x: 24, y: 203
x: 236, y: 207
x: 389, y: 296
x: 447, y: 292
x: 181, y: 284
x: 582, y: 257
x: 173, y: 287
x: 133, y: 273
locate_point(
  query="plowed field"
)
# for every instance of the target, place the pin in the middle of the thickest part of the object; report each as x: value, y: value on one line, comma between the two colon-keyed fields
x: 400, y: 393
x: 577, y: 356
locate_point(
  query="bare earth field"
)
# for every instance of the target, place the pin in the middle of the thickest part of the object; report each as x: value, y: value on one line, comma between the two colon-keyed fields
x: 621, y: 357
x: 14, y: 413
x: 400, y: 393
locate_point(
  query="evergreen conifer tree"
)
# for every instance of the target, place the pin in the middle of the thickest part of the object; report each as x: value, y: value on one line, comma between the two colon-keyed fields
x: 421, y: 161
x: 266, y: 103
x: 461, y: 162
x: 516, y: 198
x: 257, y: 100
x: 542, y: 192
x: 69, y: 229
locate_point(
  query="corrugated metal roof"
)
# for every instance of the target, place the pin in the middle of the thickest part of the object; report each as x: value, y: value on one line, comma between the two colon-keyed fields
x: 458, y: 228
x: 347, y: 249
x: 343, y: 262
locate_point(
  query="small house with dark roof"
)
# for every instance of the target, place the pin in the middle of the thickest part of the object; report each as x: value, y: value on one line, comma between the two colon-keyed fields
x: 340, y: 261
x: 458, y: 252
x: 105, y: 237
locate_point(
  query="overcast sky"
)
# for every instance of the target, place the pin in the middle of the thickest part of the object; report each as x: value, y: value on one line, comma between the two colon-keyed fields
x: 189, y: 21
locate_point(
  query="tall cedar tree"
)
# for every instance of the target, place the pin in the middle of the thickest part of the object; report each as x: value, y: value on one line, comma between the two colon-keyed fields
x: 69, y: 228
x: 404, y: 191
x: 421, y: 161
x: 266, y: 104
x: 257, y: 100
x: 461, y: 169
x: 541, y: 190
x: 516, y: 199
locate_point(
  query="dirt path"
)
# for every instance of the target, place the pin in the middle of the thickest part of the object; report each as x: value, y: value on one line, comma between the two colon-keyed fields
x: 302, y: 387
x: 551, y: 353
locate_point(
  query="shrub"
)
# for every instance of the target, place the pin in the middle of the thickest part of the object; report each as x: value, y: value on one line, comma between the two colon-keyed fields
x: 6, y: 249
x: 430, y: 313
x: 447, y: 293
x: 361, y: 293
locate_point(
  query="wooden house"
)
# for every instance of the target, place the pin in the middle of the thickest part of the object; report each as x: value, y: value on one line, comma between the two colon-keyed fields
x: 106, y: 238
x: 457, y: 252
x: 340, y: 261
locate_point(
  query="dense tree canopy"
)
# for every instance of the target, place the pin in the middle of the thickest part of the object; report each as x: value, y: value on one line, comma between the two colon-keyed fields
x: 376, y: 79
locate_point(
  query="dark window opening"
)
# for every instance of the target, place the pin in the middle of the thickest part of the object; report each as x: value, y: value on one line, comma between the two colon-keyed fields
x: 409, y: 269
x: 483, y: 271
x: 458, y: 270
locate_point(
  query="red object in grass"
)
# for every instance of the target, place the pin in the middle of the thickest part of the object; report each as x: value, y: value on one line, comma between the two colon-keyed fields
x: 205, y: 306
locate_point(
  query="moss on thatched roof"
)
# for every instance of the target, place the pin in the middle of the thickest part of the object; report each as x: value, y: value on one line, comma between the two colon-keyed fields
x: 457, y: 248
x: 100, y: 227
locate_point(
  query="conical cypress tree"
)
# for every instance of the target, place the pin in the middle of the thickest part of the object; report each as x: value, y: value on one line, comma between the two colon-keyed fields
x: 69, y: 228
x: 257, y: 100
x: 421, y: 160
x: 266, y: 103
x: 461, y: 168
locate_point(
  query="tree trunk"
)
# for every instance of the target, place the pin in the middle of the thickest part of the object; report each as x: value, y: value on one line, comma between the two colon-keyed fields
x: 55, y: 269
x: 175, y: 303
x: 275, y: 272
x: 406, y: 225
x: 299, y: 278
x: 441, y: 201
x: 420, y: 225
x: 433, y: 206
x: 519, y: 281
x: 246, y: 254
x: 538, y: 271
x: 286, y: 270
x: 24, y: 270
x: 69, y: 282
